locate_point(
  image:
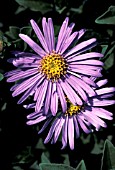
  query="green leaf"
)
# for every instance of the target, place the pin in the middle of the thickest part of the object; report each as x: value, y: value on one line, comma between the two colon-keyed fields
x: 40, y: 144
x: 35, y: 5
x: 108, y: 17
x: 34, y: 166
x: 1, y: 76
x: 26, y: 30
x: 46, y: 166
x: 13, y: 32
x: 109, y: 57
x: 104, y: 49
x: 81, y: 166
x: 44, y: 159
x: 109, y: 62
x: 66, y: 159
x: 20, y: 9
x: 108, y: 158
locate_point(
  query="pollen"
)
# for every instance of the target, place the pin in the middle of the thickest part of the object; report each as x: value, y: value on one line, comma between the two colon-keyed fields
x: 53, y: 66
x: 72, y: 109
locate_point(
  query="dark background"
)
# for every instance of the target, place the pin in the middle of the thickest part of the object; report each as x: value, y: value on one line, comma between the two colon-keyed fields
x: 20, y: 145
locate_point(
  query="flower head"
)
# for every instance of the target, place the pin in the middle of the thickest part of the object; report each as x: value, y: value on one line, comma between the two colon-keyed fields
x: 55, y: 70
x: 87, y: 117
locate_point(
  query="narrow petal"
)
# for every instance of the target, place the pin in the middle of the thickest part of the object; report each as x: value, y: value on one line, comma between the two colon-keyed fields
x: 76, y: 126
x: 92, y: 115
x: 62, y: 33
x: 102, y: 113
x: 84, y: 67
x: 88, y: 62
x: 51, y: 30
x: 34, y: 115
x: 83, y: 85
x: 64, y: 133
x: 28, y: 92
x: 26, y: 85
x: 67, y: 35
x: 83, y: 46
x: 39, y: 35
x: 54, y: 100
x: 79, y: 90
x: 45, y: 125
x: 41, y: 96
x: 81, y: 33
x: 29, y: 106
x: 83, y: 126
x: 62, y: 98
x: 105, y: 90
x: 69, y: 91
x: 84, y: 56
x: 71, y: 132
x: 68, y: 42
x: 101, y: 83
x: 11, y: 73
x: 47, y: 98
x: 97, y: 102
x: 45, y: 31
x: 51, y: 131
x: 89, y: 81
x: 87, y: 72
x: 33, y: 45
x: 58, y: 129
x: 22, y: 74
x: 32, y: 122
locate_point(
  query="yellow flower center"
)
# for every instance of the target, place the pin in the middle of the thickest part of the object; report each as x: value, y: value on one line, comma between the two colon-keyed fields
x: 73, y: 110
x: 53, y: 66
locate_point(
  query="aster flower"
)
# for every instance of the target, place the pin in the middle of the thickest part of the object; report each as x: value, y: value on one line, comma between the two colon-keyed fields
x: 55, y: 70
x: 87, y: 117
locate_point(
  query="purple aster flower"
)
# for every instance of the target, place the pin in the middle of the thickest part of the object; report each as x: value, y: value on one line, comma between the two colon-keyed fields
x: 87, y: 117
x: 55, y: 70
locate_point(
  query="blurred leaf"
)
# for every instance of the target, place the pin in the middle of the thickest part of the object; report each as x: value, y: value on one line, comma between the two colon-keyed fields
x: 3, y: 107
x: 26, y: 156
x: 19, y: 43
x: 1, y: 76
x: 34, y: 166
x: 44, y: 159
x: 108, y: 158
x: 40, y: 144
x: 104, y: 49
x: 108, y: 17
x: 66, y: 159
x: 60, y: 11
x: 98, y: 146
x: 20, y: 9
x: 81, y: 166
x: 45, y: 166
x: 109, y: 62
x: 13, y: 32
x: 109, y: 57
x: 35, y: 5
x: 17, y: 168
x: 85, y: 139
x: 26, y: 30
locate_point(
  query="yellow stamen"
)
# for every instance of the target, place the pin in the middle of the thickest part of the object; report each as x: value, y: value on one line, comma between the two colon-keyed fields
x: 53, y: 66
x: 72, y: 109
